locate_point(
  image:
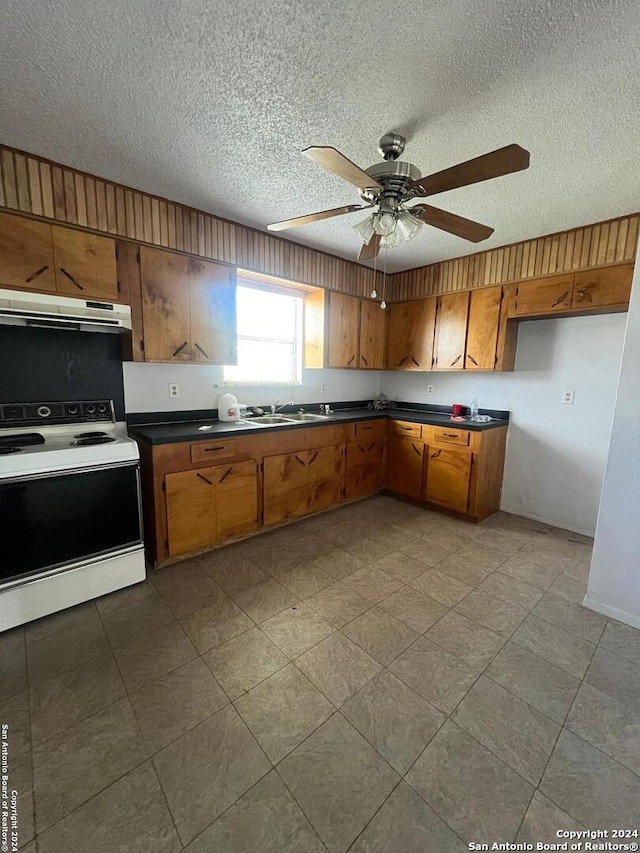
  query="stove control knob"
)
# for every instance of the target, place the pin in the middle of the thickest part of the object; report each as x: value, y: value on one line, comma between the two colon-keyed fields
x: 90, y: 409
x: 102, y: 408
x: 44, y: 411
x: 72, y: 410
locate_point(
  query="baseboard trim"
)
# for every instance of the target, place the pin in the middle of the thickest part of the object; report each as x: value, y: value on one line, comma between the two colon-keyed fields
x: 632, y: 619
x: 549, y: 521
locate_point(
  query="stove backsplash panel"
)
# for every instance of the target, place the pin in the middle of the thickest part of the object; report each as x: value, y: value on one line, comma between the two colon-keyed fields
x: 57, y: 364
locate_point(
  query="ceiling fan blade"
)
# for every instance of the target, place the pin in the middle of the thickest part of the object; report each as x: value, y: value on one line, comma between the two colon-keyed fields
x: 511, y: 158
x: 315, y: 217
x: 333, y: 161
x: 370, y: 250
x: 451, y: 222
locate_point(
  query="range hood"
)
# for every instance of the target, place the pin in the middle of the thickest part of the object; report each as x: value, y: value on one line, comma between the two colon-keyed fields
x: 18, y: 308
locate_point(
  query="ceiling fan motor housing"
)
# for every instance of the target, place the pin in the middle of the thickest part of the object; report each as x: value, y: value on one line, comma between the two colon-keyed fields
x: 394, y: 176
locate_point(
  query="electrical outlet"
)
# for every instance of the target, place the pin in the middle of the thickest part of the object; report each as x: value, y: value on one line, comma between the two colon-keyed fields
x: 323, y: 388
x: 174, y: 390
x: 567, y: 397
x: 429, y: 389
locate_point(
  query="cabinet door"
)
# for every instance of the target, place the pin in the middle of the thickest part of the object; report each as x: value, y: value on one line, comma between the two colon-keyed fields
x: 448, y: 477
x: 236, y: 499
x: 541, y: 296
x: 164, y: 279
x: 85, y: 264
x: 212, y: 292
x: 365, y: 468
x: 343, y: 320
x: 26, y: 254
x: 410, y: 340
x: 405, y: 458
x: 606, y: 286
x: 325, y: 481
x: 191, y: 510
x: 482, y: 331
x: 451, y: 331
x: 372, y: 335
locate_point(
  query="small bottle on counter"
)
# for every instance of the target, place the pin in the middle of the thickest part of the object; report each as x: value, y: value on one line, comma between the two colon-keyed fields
x: 474, y: 409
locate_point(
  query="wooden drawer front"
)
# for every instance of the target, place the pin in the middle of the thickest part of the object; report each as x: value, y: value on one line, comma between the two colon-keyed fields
x: 212, y: 451
x: 406, y: 429
x: 550, y: 295
x: 370, y: 430
x: 451, y: 436
x: 599, y: 288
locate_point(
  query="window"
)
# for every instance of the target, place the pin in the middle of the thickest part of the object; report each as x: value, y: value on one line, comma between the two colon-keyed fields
x: 269, y: 335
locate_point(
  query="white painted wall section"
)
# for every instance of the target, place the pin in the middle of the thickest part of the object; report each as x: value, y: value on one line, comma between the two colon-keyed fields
x: 614, y: 581
x: 556, y: 453
x: 146, y: 387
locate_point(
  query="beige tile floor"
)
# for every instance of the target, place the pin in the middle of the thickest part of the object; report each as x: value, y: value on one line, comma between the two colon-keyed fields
x: 379, y: 678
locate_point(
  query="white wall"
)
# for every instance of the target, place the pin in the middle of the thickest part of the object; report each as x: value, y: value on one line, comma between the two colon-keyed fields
x: 556, y: 453
x: 614, y: 580
x: 146, y: 387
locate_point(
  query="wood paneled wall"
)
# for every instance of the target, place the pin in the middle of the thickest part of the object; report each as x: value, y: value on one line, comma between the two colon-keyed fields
x: 35, y: 186
x: 611, y: 242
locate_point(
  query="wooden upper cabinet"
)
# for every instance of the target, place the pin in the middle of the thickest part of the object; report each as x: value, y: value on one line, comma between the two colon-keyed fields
x: 212, y: 294
x: 448, y: 477
x: 85, y: 264
x: 608, y: 286
x: 372, y: 335
x: 164, y: 280
x: 410, y: 338
x: 343, y: 324
x: 26, y: 254
x: 405, y: 460
x: 482, y: 333
x: 551, y: 295
x: 451, y: 331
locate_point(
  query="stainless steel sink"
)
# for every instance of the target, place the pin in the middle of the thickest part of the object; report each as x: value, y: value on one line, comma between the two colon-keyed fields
x: 267, y: 420
x: 306, y: 416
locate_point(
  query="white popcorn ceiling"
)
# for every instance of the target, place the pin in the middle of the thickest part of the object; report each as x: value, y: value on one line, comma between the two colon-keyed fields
x: 209, y: 102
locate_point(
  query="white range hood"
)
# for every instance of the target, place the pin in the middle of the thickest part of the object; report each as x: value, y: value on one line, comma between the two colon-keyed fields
x: 20, y: 308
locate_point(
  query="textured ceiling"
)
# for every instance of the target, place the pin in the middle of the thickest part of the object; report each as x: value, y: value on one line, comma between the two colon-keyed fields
x: 209, y: 102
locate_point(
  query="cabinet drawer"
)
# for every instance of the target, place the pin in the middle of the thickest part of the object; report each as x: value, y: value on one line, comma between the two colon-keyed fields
x: 211, y: 451
x: 451, y: 436
x: 370, y: 429
x: 406, y: 429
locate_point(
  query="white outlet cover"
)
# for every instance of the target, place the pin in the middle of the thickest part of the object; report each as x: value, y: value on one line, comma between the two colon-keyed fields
x: 174, y: 390
x: 567, y: 397
x: 429, y: 389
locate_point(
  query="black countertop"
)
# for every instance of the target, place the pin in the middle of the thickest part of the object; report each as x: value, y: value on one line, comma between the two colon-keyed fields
x: 187, y: 430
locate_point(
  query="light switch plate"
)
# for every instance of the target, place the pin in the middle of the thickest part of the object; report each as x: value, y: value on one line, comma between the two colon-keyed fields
x: 567, y: 397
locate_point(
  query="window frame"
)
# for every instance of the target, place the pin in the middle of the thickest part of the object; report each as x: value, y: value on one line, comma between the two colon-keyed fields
x: 299, y: 341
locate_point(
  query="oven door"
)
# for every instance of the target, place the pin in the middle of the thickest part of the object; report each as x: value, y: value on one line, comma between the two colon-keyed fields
x: 51, y: 521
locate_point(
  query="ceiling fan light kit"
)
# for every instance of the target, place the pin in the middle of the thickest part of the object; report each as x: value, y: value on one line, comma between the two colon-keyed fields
x: 391, y: 186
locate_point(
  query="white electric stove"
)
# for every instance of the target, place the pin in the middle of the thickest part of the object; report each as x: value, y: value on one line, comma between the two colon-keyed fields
x: 70, y: 512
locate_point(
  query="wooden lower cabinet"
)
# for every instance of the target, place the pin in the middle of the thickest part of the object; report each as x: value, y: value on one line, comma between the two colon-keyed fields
x: 210, y: 504
x: 365, y: 468
x: 300, y: 483
x: 448, y: 477
x: 405, y: 458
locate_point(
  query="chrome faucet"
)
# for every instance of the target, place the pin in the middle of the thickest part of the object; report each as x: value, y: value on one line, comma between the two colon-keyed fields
x: 275, y: 407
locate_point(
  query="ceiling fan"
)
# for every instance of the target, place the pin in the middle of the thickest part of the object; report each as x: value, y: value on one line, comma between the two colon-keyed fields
x: 389, y: 187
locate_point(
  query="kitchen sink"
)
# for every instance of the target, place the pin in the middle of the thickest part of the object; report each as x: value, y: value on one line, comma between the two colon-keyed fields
x: 306, y: 416
x: 267, y: 420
